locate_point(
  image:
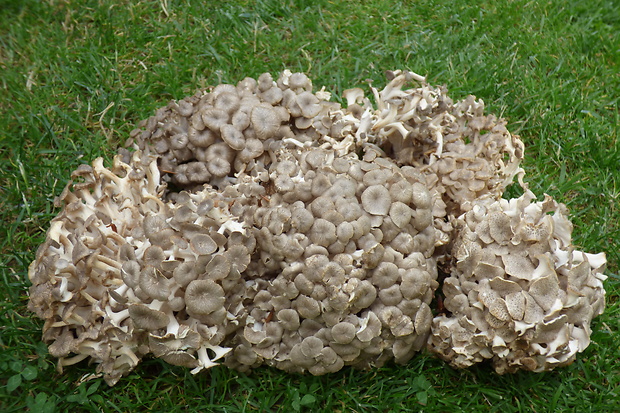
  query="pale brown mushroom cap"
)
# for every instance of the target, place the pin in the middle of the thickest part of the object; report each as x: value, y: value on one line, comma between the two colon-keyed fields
x: 146, y: 318
x: 215, y: 118
x: 376, y: 200
x: 202, y: 244
x: 203, y: 297
x: 265, y: 122
x: 233, y: 137
x: 343, y: 332
x: 180, y: 358
x: 154, y: 283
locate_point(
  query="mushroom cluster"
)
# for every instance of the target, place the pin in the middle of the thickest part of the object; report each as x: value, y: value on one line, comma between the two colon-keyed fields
x: 262, y: 224
x: 519, y: 294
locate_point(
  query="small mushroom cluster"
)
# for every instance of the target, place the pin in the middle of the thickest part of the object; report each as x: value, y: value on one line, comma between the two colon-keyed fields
x: 262, y: 224
x: 519, y: 294
x: 123, y: 274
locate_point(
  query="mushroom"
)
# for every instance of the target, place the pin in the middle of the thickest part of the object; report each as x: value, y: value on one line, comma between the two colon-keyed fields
x: 376, y: 200
x: 146, y: 318
x: 265, y: 121
x: 233, y: 137
x: 215, y: 118
x: 343, y: 332
x: 517, y: 292
x: 309, y: 236
x: 203, y: 297
x: 153, y: 283
x: 227, y: 101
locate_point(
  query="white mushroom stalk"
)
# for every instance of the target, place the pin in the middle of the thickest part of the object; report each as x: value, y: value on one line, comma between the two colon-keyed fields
x: 261, y: 224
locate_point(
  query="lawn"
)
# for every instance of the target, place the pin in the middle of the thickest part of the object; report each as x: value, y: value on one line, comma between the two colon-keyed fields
x: 76, y: 76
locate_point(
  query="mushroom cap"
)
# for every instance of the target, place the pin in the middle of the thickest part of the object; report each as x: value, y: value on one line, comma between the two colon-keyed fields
x: 311, y: 347
x: 289, y: 319
x: 130, y: 272
x: 201, y: 138
x: 545, y: 290
x: 233, y: 137
x: 385, y: 275
x: 227, y: 101
x: 253, y: 149
x: 298, y: 358
x: 203, y: 297
x: 218, y: 268
x: 323, y: 232
x: 391, y: 295
x: 515, y: 304
x: 215, y: 118
x: 273, y: 95
x: 180, y: 358
x: 179, y: 141
x: 376, y: 200
x: 307, y: 307
x: 185, y: 273
x: 245, y: 355
x: 153, y: 283
x: 219, y: 150
x: 264, y: 121
x: 400, y: 213
x: 309, y: 104
x: 218, y: 167
x: 202, y: 244
x: 364, y: 295
x: 146, y: 318
x: 343, y: 332
x: 265, y: 82
x: 299, y: 81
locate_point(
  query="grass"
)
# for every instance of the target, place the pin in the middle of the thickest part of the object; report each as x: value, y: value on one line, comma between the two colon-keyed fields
x: 76, y: 75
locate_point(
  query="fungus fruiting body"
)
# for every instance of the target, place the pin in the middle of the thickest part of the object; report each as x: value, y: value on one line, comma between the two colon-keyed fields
x: 261, y: 224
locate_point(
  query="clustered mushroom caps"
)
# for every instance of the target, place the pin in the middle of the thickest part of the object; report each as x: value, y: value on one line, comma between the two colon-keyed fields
x: 264, y: 224
x: 519, y: 293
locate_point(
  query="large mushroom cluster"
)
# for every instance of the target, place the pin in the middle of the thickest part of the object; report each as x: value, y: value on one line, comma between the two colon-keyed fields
x: 263, y: 224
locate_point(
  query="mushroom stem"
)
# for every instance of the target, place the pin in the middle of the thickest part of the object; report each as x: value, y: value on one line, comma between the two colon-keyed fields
x: 204, y: 359
x: 69, y: 361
